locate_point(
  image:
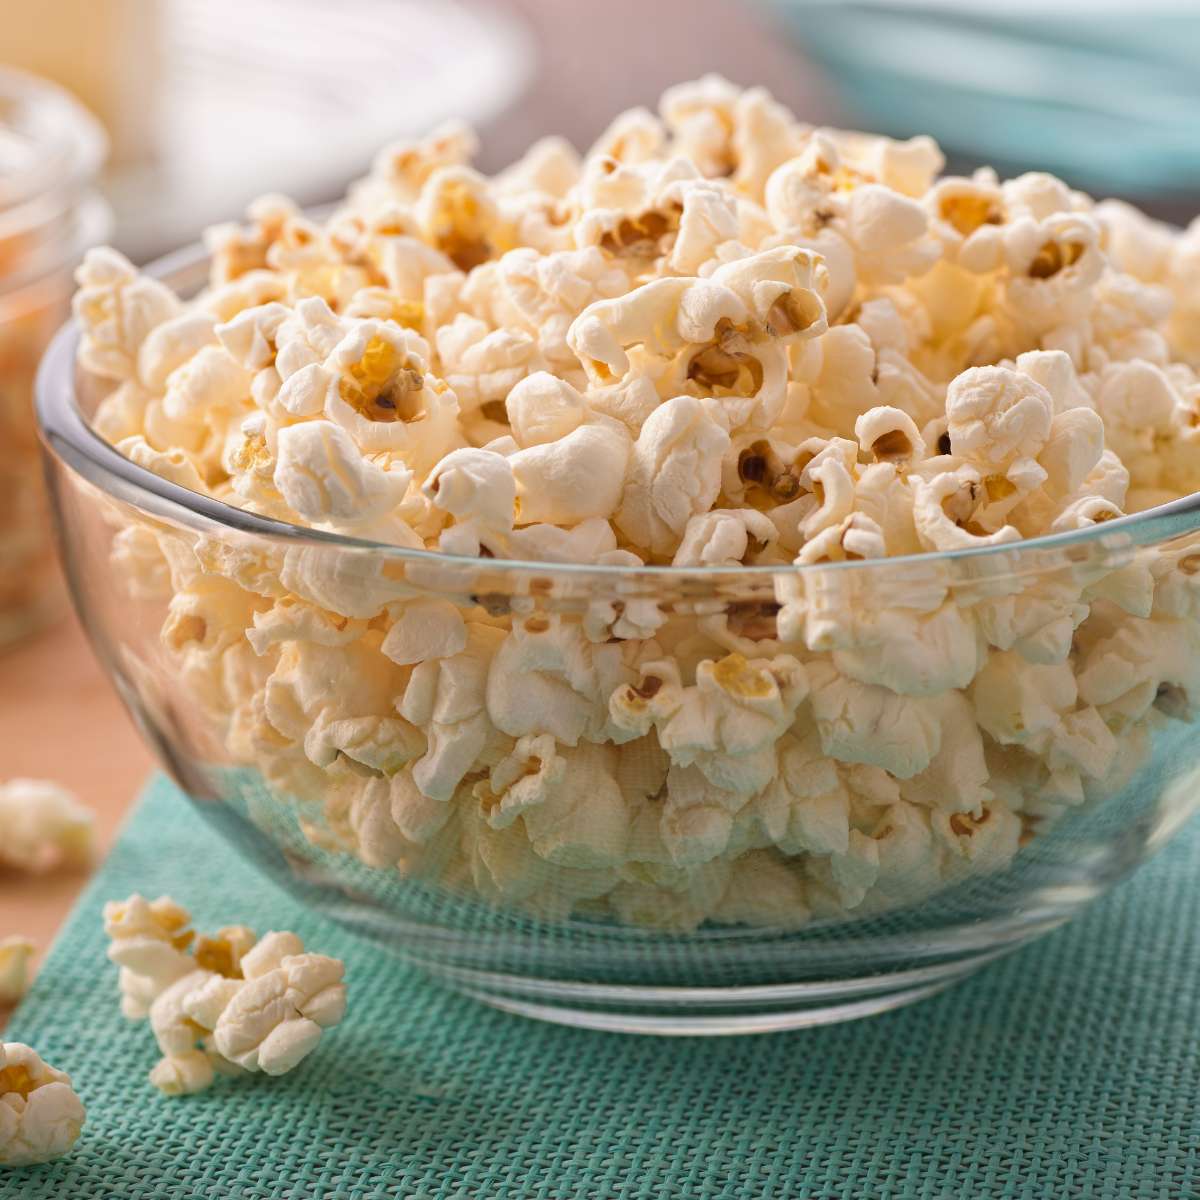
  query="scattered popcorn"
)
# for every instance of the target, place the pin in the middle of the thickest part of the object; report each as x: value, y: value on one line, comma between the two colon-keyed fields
x: 40, y: 1116
x: 149, y: 941
x: 15, y: 953
x: 43, y: 826
x: 229, y: 1003
x: 722, y: 342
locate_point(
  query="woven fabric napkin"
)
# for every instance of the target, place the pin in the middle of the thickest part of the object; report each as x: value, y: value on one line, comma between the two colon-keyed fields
x: 1070, y: 1069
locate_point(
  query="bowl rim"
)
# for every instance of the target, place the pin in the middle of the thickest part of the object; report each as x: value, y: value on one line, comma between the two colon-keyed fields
x: 68, y: 437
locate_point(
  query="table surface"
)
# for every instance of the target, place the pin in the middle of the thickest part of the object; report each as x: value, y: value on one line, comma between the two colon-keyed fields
x: 87, y: 743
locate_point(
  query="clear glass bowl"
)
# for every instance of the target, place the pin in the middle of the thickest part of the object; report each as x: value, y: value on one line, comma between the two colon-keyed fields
x: 1023, y: 85
x: 822, y: 848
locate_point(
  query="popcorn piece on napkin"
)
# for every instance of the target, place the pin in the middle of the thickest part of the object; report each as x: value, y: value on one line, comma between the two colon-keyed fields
x: 40, y: 1114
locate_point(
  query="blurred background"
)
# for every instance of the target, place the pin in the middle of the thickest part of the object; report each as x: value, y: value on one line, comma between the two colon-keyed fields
x: 208, y: 103
x: 176, y: 113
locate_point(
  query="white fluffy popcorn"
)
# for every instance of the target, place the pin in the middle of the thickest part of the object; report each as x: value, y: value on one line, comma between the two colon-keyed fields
x: 276, y: 1018
x: 43, y: 826
x: 228, y: 1003
x: 735, y: 357
x: 149, y: 941
x: 40, y: 1115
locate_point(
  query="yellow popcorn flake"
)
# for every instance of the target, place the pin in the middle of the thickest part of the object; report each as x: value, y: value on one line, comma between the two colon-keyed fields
x: 381, y: 386
x: 16, y: 1079
x: 173, y: 921
x: 999, y: 487
x: 737, y: 677
x: 967, y: 211
x: 252, y: 454
x: 408, y: 313
x: 457, y: 231
x: 222, y: 952
x: 793, y: 312
x: 642, y: 236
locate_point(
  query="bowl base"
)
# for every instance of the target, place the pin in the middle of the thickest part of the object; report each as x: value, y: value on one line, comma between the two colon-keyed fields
x: 711, y: 1012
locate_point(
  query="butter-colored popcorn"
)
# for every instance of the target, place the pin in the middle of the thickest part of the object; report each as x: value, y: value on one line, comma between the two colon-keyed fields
x: 15, y: 953
x: 40, y: 1115
x: 149, y: 941
x: 181, y: 1018
x: 724, y: 537
x: 732, y: 357
x: 866, y: 723
x: 223, y: 995
x: 380, y: 392
x: 43, y: 826
x: 276, y: 1018
x: 547, y: 676
x: 728, y: 723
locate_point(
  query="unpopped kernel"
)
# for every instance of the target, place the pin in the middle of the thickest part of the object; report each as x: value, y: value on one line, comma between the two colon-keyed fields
x: 720, y: 339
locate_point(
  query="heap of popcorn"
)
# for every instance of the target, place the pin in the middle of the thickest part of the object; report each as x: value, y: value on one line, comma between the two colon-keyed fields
x: 720, y: 339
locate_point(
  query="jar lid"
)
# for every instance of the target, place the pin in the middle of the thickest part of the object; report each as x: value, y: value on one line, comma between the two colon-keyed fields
x: 49, y: 142
x: 51, y: 148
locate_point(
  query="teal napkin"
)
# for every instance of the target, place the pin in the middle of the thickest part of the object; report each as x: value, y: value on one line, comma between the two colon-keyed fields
x: 1070, y: 1069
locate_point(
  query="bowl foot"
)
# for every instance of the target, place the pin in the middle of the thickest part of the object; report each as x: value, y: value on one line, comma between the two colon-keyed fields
x: 711, y: 1012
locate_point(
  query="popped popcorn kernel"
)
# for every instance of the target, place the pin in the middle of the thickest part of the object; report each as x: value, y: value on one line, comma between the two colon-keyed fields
x: 41, y: 1117
x: 379, y: 387
x: 15, y: 953
x: 226, y: 1003
x: 43, y: 827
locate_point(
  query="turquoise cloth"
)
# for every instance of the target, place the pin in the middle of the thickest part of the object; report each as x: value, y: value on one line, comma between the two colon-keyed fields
x: 1070, y: 1069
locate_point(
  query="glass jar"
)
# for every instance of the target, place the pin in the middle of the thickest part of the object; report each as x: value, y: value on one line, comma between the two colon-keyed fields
x: 50, y: 151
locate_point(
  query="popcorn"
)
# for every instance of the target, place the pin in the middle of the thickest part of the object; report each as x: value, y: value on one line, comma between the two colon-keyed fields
x: 575, y: 478
x: 381, y: 394
x: 448, y: 698
x: 698, y: 375
x: 275, y: 1020
x: 226, y: 1004
x: 40, y: 1116
x: 724, y: 538
x: 321, y: 475
x: 674, y: 473
x: 148, y: 940
x: 547, y: 677
x: 43, y: 826
x: 117, y: 309
x: 728, y: 723
x: 15, y: 953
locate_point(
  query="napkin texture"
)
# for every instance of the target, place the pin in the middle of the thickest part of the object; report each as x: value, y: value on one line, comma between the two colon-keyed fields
x: 1069, y: 1069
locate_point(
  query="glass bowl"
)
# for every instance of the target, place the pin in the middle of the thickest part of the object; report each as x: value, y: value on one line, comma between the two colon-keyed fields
x: 877, y: 776
x: 1022, y: 85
